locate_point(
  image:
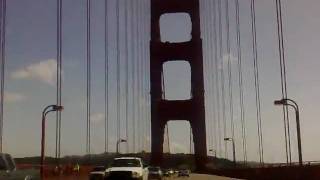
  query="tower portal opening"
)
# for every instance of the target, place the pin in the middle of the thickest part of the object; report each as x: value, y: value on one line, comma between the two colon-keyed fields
x: 176, y: 80
x: 175, y: 27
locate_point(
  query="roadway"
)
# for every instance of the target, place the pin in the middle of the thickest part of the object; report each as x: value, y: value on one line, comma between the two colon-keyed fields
x: 192, y: 177
x: 199, y: 177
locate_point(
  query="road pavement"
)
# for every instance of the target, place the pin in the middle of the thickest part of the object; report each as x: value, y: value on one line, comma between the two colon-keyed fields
x: 199, y: 177
x: 192, y: 177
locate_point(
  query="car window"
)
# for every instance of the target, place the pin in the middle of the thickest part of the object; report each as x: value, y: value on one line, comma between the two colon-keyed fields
x: 126, y: 163
x: 153, y: 169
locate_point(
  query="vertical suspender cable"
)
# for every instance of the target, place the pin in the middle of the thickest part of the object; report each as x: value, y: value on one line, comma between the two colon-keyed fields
x: 106, y: 78
x: 3, y: 14
x: 144, y: 66
x: 138, y: 73
x: 205, y: 50
x: 240, y: 81
x: 222, y: 78
x: 126, y: 71
x: 229, y: 69
x: 256, y: 79
x: 283, y: 79
x: 59, y: 77
x: 88, y: 75
x: 216, y: 73
x: 208, y: 72
x: 212, y: 74
x: 205, y: 38
x: 142, y: 70
x: 227, y: 19
x: 118, y: 68
x: 133, y: 52
x: 148, y: 17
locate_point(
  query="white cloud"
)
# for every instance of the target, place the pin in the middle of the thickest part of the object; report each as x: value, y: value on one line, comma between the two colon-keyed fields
x: 44, y: 71
x: 97, y: 117
x: 10, y: 97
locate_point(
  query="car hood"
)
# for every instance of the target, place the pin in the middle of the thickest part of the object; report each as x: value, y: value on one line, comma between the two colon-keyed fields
x: 97, y: 172
x: 133, y: 169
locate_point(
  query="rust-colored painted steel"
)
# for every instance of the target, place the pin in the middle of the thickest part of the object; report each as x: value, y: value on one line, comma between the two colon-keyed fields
x: 192, y: 110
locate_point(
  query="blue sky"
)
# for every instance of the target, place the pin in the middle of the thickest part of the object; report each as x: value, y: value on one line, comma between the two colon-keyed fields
x: 30, y: 75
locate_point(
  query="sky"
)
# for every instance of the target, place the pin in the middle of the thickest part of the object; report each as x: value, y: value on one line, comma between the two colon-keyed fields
x: 30, y: 75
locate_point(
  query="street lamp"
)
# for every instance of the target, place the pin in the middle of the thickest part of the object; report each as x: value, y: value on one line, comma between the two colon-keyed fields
x: 118, y: 143
x: 286, y: 102
x: 233, y: 149
x: 46, y: 110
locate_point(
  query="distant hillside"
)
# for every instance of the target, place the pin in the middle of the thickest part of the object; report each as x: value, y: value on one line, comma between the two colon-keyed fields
x: 170, y: 160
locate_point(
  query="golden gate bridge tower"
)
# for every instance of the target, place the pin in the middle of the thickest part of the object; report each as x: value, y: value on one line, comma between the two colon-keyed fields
x: 192, y: 109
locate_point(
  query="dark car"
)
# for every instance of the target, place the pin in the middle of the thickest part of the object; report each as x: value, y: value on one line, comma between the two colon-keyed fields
x: 184, y: 173
x: 154, y: 173
x: 166, y: 173
x: 98, y: 173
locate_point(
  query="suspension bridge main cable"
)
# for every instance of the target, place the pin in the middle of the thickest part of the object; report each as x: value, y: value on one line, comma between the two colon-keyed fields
x: 283, y: 75
x: 3, y: 17
x: 59, y: 78
x: 106, y: 78
x: 240, y: 81
x: 88, y: 141
x: 256, y: 79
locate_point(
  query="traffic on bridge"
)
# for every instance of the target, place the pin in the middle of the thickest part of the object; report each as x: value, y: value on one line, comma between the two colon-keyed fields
x: 159, y: 89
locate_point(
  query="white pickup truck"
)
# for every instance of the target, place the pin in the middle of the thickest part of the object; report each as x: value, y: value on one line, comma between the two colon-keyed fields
x: 127, y: 168
x: 8, y: 170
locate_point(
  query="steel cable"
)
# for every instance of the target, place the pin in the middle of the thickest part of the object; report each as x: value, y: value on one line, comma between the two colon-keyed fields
x: 59, y: 78
x: 106, y: 78
x: 256, y: 79
x: 88, y: 143
x: 222, y: 77
x: 283, y: 79
x: 3, y: 18
x: 240, y: 81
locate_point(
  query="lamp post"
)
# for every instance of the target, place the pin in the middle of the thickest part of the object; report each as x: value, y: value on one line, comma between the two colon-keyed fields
x: 233, y: 149
x: 46, y: 110
x: 118, y: 143
x: 285, y: 102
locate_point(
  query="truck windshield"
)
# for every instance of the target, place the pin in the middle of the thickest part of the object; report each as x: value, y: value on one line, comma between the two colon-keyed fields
x: 126, y: 163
